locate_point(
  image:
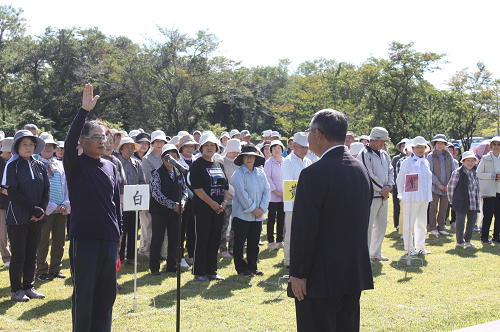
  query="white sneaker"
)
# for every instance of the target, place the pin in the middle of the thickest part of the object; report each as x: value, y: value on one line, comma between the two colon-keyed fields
x: 7, y: 264
x: 184, y: 265
x: 469, y: 245
x: 412, y: 252
x: 424, y: 252
x: 272, y: 246
x: 435, y: 232
x: 444, y: 233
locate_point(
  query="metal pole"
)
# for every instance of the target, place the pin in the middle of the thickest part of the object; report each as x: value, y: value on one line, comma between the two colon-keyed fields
x: 180, y: 179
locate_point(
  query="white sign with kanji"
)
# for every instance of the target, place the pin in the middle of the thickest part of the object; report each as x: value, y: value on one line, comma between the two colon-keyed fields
x: 136, y: 197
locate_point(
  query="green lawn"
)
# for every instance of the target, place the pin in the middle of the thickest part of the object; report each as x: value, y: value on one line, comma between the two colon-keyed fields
x: 457, y: 287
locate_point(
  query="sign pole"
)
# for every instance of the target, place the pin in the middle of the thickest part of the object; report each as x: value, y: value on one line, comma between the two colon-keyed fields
x: 180, y: 179
x: 135, y: 261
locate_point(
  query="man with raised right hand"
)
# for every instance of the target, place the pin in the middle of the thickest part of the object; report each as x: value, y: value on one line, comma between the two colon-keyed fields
x: 96, y: 220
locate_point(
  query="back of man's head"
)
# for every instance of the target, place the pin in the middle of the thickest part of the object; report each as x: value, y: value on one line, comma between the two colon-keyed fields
x: 332, y: 124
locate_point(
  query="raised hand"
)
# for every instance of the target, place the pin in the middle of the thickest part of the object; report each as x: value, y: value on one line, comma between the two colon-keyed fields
x: 88, y: 100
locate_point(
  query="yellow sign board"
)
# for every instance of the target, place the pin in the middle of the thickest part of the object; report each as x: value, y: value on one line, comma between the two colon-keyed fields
x: 289, y: 189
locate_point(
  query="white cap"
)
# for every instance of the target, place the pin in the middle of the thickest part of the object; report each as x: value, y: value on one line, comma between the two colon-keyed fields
x: 234, y: 132
x: 133, y: 133
x: 274, y: 133
x: 301, y: 139
x: 267, y: 133
x: 356, y: 148
x: 182, y: 133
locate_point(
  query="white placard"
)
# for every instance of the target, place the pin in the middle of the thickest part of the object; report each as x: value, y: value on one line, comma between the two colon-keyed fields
x: 136, y: 197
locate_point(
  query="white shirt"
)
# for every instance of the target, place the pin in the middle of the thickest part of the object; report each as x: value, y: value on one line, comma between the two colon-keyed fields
x: 333, y: 147
x: 290, y: 170
x: 420, y: 166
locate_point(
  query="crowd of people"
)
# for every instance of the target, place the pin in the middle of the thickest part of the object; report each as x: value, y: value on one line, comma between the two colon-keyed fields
x: 230, y: 186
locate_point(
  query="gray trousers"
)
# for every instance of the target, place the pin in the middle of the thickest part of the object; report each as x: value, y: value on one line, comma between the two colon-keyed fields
x: 460, y: 225
x: 437, y: 219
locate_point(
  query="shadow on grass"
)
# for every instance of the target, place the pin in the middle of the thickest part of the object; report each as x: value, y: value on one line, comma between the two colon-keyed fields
x: 7, y: 304
x: 416, y: 265
x: 463, y: 252
x: 377, y: 269
x: 46, y: 308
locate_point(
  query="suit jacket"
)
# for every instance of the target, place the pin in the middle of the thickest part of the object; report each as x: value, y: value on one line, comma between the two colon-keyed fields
x: 330, y: 226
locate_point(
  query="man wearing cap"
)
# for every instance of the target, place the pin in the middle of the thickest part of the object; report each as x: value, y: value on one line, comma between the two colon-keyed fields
x: 187, y: 147
x: 57, y: 211
x: 349, y: 138
x: 329, y: 264
x: 379, y: 167
x: 441, y: 165
x: 150, y: 162
x: 235, y: 134
x: 135, y: 175
x: 395, y: 201
x: 95, y: 221
x: 292, y: 165
x: 265, y: 137
x: 245, y: 136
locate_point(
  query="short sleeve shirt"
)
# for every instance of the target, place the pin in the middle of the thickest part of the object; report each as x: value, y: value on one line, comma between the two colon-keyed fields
x: 211, y: 177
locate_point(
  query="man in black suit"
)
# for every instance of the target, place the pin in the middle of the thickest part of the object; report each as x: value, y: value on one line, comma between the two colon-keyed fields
x: 329, y: 259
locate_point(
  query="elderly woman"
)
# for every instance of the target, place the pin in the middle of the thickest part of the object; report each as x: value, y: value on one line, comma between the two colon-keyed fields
x: 488, y: 173
x: 463, y: 193
x: 233, y: 149
x: 29, y: 193
x: 210, y: 185
x: 165, y: 209
x: 415, y: 202
x: 272, y: 168
x: 266, y: 150
x: 143, y: 140
x: 251, y: 199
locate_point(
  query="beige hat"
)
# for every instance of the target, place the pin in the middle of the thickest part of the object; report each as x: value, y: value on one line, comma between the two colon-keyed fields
x: 366, y: 137
x: 398, y: 146
x: 48, y: 139
x: 187, y: 139
x: 158, y: 134
x: 7, y: 144
x: 356, y: 148
x: 379, y: 133
x: 126, y: 140
x: 467, y: 155
x: 301, y: 139
x: 233, y: 145
x: 350, y: 133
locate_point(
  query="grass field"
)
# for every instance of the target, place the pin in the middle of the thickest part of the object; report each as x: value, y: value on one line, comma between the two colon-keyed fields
x: 456, y: 287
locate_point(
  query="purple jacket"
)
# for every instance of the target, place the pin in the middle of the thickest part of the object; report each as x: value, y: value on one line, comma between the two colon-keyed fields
x: 273, y: 173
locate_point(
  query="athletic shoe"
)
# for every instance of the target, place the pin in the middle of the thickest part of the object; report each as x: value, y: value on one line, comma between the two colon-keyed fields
x: 461, y: 245
x: 260, y: 243
x: 379, y: 258
x: 19, y: 296
x: 435, y: 232
x: 444, y: 233
x: 246, y: 274
x: 496, y: 240
x: 33, y: 294
x: 45, y: 277
x: 58, y: 275
x: 184, y: 264
x: 280, y: 245
x: 486, y: 242
x: 272, y: 246
x: 215, y: 277
x: 469, y: 245
x: 424, y: 252
x: 258, y: 273
x: 412, y: 252
x: 7, y: 264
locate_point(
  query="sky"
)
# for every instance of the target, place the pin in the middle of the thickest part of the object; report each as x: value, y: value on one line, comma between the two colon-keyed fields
x: 262, y: 32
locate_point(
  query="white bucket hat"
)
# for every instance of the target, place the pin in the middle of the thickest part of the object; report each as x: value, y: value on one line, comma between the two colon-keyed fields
x: 234, y: 132
x: 356, y: 148
x: 224, y: 134
x: 379, y: 133
x: 267, y: 133
x: 349, y: 133
x: 169, y: 147
x: 48, y: 139
x: 276, y: 142
x: 467, y: 155
x: 419, y: 141
x: 209, y: 137
x: 301, y: 139
x: 60, y: 144
x: 133, y: 133
x: 274, y: 133
x: 7, y: 144
x: 158, y: 134
x: 126, y: 140
x: 245, y: 133
x: 182, y: 133
x: 175, y: 140
x: 408, y: 145
x: 233, y: 145
x: 398, y: 146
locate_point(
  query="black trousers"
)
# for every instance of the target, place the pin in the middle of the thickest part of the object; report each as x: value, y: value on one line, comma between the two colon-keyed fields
x: 250, y: 231
x: 24, y: 240
x: 396, y: 208
x: 187, y: 232
x: 333, y: 314
x: 128, y: 237
x: 93, y: 271
x: 491, y: 206
x: 276, y: 214
x: 159, y: 224
x: 207, y: 228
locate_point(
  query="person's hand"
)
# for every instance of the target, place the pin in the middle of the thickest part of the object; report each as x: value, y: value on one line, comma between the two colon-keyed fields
x: 215, y: 206
x: 176, y: 208
x: 280, y: 195
x: 223, y: 205
x: 62, y: 208
x: 258, y: 212
x: 298, y: 287
x: 182, y: 207
x: 443, y: 188
x: 88, y: 100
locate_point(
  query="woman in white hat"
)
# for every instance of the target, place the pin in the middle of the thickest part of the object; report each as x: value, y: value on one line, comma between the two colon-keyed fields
x: 210, y: 185
x: 233, y: 149
x: 415, y: 195
x: 165, y: 209
x: 251, y: 199
x: 488, y: 172
x: 272, y: 168
x: 29, y: 193
x: 463, y: 194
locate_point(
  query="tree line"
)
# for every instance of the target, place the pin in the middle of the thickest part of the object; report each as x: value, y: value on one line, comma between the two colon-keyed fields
x: 180, y: 82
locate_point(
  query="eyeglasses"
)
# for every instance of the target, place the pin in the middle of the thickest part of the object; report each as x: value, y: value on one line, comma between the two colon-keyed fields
x: 97, y: 138
x: 495, y: 144
x: 310, y: 130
